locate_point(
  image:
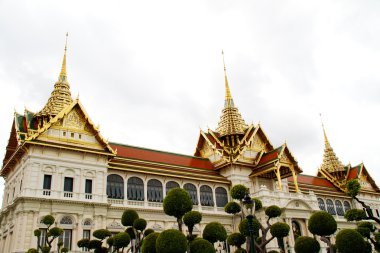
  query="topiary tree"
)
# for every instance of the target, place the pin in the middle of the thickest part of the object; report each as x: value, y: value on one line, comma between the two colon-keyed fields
x: 349, y: 241
x: 353, y: 188
x: 200, y: 245
x: 236, y: 239
x: 51, y: 234
x: 323, y: 224
x: 305, y: 244
x: 32, y: 251
x: 191, y: 219
x: 171, y: 241
x: 149, y: 243
x: 214, y: 231
x: 177, y: 202
x: 120, y: 241
x: 280, y: 230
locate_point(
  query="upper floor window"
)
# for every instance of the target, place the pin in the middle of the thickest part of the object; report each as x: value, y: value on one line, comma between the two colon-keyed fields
x: 330, y: 207
x: 88, y: 186
x: 115, y: 187
x: 154, y: 190
x: 192, y: 190
x: 66, y: 220
x: 347, y: 206
x: 339, y: 208
x: 135, y: 187
x: 68, y: 184
x: 321, y: 204
x: 206, y: 196
x: 171, y: 185
x: 221, y: 197
x: 47, y: 182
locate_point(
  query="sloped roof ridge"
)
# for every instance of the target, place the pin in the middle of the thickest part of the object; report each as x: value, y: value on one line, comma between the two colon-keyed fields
x: 155, y: 150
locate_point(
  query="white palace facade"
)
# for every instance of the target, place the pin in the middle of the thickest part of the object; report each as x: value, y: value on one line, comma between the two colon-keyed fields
x: 57, y: 162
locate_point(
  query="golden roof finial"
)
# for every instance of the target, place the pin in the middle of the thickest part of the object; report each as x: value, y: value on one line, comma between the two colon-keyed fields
x: 63, y: 74
x: 228, y: 92
x: 324, y: 131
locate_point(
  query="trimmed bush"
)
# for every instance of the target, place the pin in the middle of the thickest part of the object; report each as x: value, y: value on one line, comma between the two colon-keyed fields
x: 55, y: 232
x: 353, y: 187
x: 101, y: 250
x: 232, y: 208
x: 279, y: 229
x: 258, y: 204
x: 32, y: 251
x: 83, y: 243
x: 94, y: 244
x: 45, y: 249
x: 214, y: 231
x: 355, y: 215
x: 243, y: 227
x: 121, y: 240
x: 238, y: 191
x: 146, y: 232
x: 110, y: 241
x: 241, y: 250
x: 200, y: 245
x: 48, y: 220
x: 149, y: 243
x: 236, y: 239
x: 37, y: 232
x: 191, y: 218
x: 367, y: 247
x: 63, y: 250
x: 139, y: 224
x: 171, y: 241
x: 305, y: 244
x: 131, y: 232
x: 273, y: 211
x: 322, y: 223
x: 349, y: 241
x: 365, y: 232
x: 128, y: 217
x: 101, y: 234
x: 177, y: 202
x: 366, y: 224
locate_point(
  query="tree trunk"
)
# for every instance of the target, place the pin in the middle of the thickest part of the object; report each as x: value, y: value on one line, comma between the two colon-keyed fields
x: 179, y: 221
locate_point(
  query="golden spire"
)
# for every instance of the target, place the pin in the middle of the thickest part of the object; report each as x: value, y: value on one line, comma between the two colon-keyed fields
x: 231, y: 122
x: 61, y: 95
x: 331, y: 163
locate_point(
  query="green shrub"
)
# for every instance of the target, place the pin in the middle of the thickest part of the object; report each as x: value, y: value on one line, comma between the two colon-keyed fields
x: 258, y: 204
x: 367, y: 247
x: 322, y: 223
x: 131, y: 232
x: 171, y: 241
x: 101, y: 250
x: 232, y: 207
x: 191, y: 218
x: 366, y: 224
x: 236, y: 239
x: 110, y: 241
x: 139, y: 224
x: 349, y: 241
x: 177, y: 202
x: 355, y: 215
x: 305, y: 244
x: 279, y: 229
x: 200, y: 245
x: 365, y: 232
x: 214, y: 231
x: 32, y: 251
x: 94, y: 244
x: 238, y: 191
x: 101, y: 234
x: 37, y: 232
x: 128, y: 217
x: 48, y: 220
x: 55, y: 232
x: 273, y: 211
x: 63, y: 250
x: 243, y: 227
x: 241, y: 250
x: 147, y: 232
x: 45, y: 249
x: 149, y: 243
x: 353, y: 187
x: 121, y: 240
x: 83, y: 243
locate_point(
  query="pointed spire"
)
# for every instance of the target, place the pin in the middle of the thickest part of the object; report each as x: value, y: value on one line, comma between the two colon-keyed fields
x: 331, y: 163
x: 231, y: 122
x: 61, y: 95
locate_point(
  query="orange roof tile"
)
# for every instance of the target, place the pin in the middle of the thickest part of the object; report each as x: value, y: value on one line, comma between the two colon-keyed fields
x: 316, y: 181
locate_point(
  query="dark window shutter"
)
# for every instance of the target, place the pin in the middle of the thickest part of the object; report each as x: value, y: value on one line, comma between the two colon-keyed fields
x: 88, y: 186
x: 47, y: 182
x: 68, y: 185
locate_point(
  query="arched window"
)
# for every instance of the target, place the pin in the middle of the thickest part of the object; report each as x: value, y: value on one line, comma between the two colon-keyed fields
x: 135, y: 189
x: 330, y: 207
x: 339, y: 208
x: 192, y: 190
x: 87, y: 222
x: 115, y: 187
x: 171, y: 185
x: 347, y: 206
x: 221, y: 197
x: 321, y: 204
x: 154, y: 191
x: 206, y: 196
x: 66, y: 220
x: 296, y: 229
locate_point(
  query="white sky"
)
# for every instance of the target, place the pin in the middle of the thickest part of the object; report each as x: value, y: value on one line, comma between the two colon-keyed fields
x: 150, y: 72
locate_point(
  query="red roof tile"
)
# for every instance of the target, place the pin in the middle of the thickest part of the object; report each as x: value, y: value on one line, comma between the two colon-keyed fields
x: 317, y: 181
x: 353, y: 173
x: 161, y: 157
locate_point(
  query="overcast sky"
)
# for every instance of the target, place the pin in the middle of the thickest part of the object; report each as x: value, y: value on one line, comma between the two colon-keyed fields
x: 151, y: 73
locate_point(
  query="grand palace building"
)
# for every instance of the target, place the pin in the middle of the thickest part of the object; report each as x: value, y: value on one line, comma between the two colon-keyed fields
x: 57, y: 162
